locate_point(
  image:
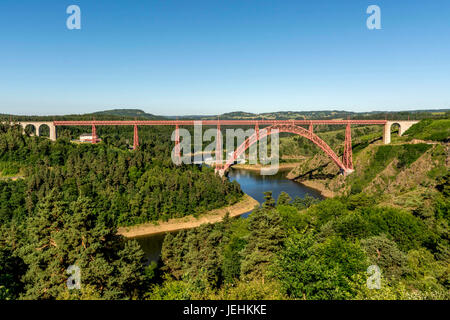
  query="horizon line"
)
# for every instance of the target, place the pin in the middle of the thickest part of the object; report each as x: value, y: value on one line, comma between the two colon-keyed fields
x: 215, y: 115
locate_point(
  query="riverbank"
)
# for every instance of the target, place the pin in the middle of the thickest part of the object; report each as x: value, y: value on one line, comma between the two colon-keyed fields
x: 13, y: 178
x: 318, y: 187
x: 258, y: 167
x: 245, y: 205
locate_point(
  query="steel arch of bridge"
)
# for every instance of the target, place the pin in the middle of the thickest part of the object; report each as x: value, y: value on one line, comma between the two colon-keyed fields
x: 288, y: 128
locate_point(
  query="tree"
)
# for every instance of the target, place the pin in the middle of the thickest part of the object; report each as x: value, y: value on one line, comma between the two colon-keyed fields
x: 283, y: 198
x: 203, y: 261
x: 304, y: 203
x: 12, y: 269
x: 235, y: 242
x: 269, y: 201
x: 264, y: 240
x: 327, y: 210
x: 385, y: 254
x: 310, y: 270
x: 173, y: 251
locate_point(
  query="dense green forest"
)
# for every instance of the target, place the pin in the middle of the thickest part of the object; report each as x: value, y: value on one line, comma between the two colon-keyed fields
x: 306, y: 250
x: 302, y: 249
x: 134, y: 187
x: 67, y: 200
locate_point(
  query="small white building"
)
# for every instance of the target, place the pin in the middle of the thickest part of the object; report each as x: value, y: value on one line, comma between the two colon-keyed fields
x: 87, y: 137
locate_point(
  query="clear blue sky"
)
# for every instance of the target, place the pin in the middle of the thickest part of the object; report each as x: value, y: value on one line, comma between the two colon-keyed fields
x: 212, y: 56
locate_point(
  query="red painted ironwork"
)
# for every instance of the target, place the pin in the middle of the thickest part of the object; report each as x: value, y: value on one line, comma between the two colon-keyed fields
x: 94, y: 134
x: 136, y: 138
x: 215, y: 122
x: 290, y: 128
x: 177, y: 142
x: 219, y: 151
x: 347, y: 157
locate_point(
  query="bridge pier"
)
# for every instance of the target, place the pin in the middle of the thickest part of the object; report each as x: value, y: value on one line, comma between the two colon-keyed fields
x: 53, y: 134
x: 177, y: 143
x: 135, y: 138
x: 347, y: 156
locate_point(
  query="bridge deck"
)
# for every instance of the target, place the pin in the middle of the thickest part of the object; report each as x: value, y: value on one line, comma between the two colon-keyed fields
x: 215, y: 122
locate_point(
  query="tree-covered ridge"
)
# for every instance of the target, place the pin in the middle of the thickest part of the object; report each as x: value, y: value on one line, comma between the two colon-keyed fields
x: 304, y: 250
x: 65, y: 208
x: 113, y: 114
x: 134, y: 187
x: 331, y: 114
x: 137, y: 113
x: 394, y: 213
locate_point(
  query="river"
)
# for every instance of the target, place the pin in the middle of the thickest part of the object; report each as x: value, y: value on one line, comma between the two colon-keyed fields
x: 253, y: 184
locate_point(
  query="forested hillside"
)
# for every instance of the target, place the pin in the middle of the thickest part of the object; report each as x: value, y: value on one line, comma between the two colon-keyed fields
x: 135, y: 187
x: 393, y: 213
x: 128, y: 113
x: 67, y: 200
x: 304, y: 250
x: 332, y: 114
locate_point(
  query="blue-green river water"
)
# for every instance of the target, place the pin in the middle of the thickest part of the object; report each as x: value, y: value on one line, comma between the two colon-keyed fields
x: 253, y: 184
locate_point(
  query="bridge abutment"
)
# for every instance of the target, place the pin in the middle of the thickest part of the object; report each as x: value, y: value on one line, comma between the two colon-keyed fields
x: 37, y: 125
x: 403, y: 126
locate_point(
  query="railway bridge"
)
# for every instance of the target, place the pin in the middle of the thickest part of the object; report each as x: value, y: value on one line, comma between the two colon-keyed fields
x: 304, y: 128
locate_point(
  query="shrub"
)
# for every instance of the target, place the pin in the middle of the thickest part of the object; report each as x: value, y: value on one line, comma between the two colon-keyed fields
x: 401, y: 226
x: 385, y: 254
x: 319, y: 271
x: 327, y: 210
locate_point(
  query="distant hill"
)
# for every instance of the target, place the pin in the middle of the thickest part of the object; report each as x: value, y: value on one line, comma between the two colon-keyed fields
x: 288, y: 115
x: 331, y: 114
x: 128, y: 113
x: 114, y: 114
x: 282, y: 115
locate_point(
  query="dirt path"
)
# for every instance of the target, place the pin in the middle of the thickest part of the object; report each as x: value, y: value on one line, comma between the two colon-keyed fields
x: 245, y: 205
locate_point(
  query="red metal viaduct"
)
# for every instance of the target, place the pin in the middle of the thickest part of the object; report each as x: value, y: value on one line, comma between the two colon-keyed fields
x: 291, y: 126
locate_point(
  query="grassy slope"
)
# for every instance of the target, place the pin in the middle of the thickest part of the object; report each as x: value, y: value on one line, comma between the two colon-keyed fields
x: 296, y: 145
x: 399, y: 174
x: 436, y: 130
